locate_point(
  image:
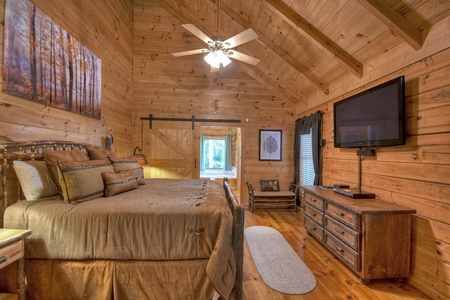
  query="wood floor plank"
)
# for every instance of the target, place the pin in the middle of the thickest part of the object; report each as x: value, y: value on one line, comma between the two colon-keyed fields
x: 334, y: 279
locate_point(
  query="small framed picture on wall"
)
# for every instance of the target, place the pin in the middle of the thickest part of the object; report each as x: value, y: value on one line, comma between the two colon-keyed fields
x: 270, y: 142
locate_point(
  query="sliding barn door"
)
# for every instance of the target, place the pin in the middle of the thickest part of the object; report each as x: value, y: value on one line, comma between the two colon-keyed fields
x: 172, y: 149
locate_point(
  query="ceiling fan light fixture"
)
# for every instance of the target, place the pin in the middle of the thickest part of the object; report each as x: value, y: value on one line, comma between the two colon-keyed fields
x: 217, y: 58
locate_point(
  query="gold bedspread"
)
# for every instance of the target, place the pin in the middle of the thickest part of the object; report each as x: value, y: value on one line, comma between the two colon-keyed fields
x: 163, y: 220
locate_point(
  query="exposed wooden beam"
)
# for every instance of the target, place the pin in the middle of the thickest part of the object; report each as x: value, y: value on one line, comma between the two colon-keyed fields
x: 395, y: 21
x: 297, y: 21
x: 269, y: 44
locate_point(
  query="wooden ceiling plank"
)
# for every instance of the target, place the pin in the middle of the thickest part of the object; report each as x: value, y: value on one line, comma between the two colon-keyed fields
x: 266, y: 42
x: 274, y: 86
x: 395, y: 21
x: 269, y: 44
x: 299, y: 22
x: 267, y: 82
x: 263, y: 40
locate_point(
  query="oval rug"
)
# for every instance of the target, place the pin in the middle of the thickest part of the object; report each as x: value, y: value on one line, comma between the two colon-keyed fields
x: 278, y: 264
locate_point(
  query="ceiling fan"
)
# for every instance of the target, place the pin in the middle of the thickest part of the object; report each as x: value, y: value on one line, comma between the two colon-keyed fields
x: 218, y: 51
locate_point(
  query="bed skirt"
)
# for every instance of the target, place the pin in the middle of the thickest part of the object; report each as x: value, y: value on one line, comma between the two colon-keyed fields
x: 112, y: 279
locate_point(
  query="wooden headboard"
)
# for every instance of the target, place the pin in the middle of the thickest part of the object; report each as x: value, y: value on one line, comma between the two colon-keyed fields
x: 10, y: 187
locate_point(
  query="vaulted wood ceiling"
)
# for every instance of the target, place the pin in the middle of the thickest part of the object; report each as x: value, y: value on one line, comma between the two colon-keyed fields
x: 306, y: 45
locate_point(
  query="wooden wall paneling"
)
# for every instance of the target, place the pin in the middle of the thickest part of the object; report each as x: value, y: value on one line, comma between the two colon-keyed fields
x: 180, y: 87
x: 106, y: 30
x: 416, y: 175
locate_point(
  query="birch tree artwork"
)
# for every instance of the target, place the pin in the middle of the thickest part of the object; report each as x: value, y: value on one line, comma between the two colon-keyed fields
x: 43, y: 63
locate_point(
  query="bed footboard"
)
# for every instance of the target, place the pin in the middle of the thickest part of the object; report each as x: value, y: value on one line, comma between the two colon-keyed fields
x: 238, y: 212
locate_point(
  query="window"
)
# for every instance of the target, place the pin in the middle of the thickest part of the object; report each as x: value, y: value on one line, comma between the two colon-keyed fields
x: 214, y: 153
x: 306, y: 161
x: 217, y: 155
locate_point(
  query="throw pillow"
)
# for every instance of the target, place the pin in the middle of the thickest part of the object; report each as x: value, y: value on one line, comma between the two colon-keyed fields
x: 121, y: 164
x: 119, y: 182
x: 51, y: 158
x: 270, y: 185
x: 99, y: 153
x: 82, y: 180
x: 34, y: 179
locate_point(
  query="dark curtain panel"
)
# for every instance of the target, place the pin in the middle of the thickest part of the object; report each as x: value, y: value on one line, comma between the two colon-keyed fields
x: 316, y: 125
x: 304, y: 126
x: 228, y: 152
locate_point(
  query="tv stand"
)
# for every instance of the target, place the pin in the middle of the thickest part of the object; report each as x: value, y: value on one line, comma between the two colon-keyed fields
x: 355, y: 193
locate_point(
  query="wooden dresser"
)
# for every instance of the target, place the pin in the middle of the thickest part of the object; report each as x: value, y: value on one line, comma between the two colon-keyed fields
x: 371, y: 236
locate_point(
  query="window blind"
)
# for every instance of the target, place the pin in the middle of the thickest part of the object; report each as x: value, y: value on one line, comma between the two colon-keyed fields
x: 306, y: 161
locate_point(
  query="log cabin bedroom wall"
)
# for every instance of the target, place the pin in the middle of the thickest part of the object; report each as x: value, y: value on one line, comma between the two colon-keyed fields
x: 135, y: 39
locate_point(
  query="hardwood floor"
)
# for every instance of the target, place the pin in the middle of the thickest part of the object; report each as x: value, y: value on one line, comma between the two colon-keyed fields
x: 334, y: 279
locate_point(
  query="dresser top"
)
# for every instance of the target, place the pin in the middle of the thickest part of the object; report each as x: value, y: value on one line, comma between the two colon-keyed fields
x: 362, y: 206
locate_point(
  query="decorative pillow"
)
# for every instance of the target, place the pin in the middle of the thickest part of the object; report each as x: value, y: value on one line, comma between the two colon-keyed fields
x: 270, y: 185
x: 119, y: 182
x: 121, y: 164
x: 82, y: 180
x: 51, y: 158
x: 99, y: 153
x: 34, y: 179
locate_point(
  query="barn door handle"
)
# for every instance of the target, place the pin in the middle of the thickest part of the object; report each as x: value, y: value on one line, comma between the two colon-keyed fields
x: 195, y: 163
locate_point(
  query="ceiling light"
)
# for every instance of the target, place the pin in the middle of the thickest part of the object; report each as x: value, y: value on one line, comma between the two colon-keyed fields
x: 217, y: 58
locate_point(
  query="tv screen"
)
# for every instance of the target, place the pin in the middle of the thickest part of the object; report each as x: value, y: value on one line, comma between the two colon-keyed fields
x: 372, y: 118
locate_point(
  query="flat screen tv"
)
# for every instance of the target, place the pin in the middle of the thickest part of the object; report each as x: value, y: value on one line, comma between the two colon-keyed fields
x: 373, y: 118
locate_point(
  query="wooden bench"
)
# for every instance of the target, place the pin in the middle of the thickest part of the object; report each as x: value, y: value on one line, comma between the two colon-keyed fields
x: 281, y: 199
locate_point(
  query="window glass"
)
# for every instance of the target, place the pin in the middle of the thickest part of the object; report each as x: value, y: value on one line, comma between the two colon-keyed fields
x: 214, y: 153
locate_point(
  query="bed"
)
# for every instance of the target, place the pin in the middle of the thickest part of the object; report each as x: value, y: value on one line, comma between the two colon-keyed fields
x: 159, y: 239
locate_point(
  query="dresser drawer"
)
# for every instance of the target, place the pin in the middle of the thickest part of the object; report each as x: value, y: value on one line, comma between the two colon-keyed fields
x: 343, y: 232
x: 344, y: 252
x: 11, y: 253
x: 315, y: 201
x: 312, y: 227
x: 314, y: 214
x: 342, y: 214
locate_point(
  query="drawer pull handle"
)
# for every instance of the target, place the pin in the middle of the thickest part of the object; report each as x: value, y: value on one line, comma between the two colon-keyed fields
x: 340, y: 250
x: 340, y: 213
x: 2, y: 259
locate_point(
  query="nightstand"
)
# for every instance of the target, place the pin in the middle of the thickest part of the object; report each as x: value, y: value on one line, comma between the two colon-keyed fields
x: 12, y: 246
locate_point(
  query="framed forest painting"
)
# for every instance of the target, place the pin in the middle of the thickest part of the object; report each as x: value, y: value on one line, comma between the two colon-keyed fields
x: 43, y: 63
x: 270, y: 142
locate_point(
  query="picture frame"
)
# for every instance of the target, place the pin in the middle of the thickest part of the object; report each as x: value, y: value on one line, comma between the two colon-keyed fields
x: 270, y: 145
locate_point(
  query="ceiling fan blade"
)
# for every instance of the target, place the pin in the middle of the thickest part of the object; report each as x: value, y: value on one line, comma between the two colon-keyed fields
x: 198, y: 33
x: 214, y: 69
x: 190, y: 52
x: 243, y: 57
x: 243, y: 37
